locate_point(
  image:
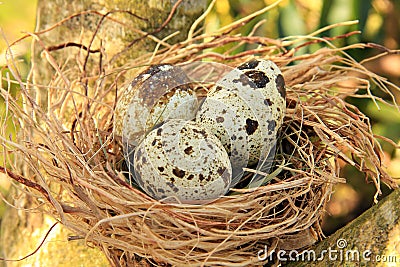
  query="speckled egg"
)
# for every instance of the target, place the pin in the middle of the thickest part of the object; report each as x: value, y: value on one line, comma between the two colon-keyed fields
x: 161, y: 92
x: 244, y: 110
x: 181, y: 160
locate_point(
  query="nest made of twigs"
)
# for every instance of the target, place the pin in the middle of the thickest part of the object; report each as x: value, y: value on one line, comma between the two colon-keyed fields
x: 74, y: 161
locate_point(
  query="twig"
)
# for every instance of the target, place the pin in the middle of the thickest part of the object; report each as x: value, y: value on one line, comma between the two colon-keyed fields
x: 71, y: 44
x: 36, y: 250
x: 26, y: 182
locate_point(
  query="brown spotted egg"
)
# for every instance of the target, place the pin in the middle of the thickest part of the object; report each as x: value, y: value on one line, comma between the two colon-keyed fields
x: 244, y: 110
x: 159, y: 93
x: 182, y: 161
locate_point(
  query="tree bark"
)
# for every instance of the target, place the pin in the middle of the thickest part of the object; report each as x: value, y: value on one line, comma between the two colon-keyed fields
x: 372, y: 239
x: 113, y: 26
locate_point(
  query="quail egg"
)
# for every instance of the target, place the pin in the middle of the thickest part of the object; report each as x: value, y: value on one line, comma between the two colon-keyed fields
x: 244, y: 110
x: 161, y: 92
x: 181, y: 160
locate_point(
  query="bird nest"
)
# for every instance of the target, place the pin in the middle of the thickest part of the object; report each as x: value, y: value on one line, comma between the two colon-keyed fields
x: 73, y: 162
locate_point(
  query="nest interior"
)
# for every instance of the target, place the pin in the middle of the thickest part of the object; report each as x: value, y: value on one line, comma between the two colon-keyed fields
x: 73, y: 161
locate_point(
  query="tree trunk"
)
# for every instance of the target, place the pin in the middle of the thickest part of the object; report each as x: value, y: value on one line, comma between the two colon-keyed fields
x: 372, y: 239
x: 115, y: 26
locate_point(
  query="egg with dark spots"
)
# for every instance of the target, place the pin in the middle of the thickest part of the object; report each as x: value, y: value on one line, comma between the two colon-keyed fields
x: 243, y: 109
x: 159, y: 93
x: 191, y: 166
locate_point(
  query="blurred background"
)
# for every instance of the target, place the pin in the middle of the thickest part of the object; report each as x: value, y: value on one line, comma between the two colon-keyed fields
x: 16, y: 18
x: 379, y: 22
